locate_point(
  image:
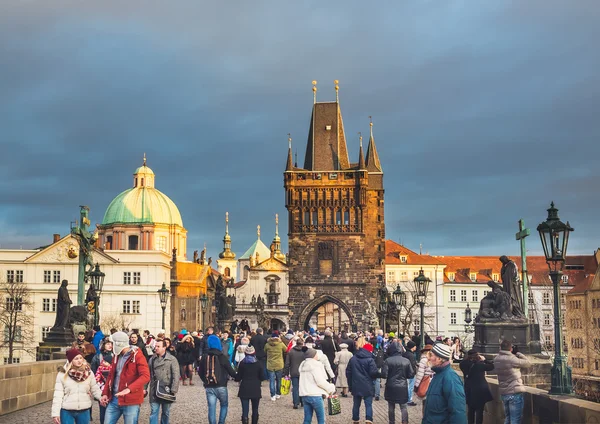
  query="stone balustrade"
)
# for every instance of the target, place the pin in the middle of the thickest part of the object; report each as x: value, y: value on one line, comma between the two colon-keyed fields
x: 28, y: 384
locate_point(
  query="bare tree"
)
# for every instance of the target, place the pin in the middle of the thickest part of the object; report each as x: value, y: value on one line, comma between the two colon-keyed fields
x: 16, y: 318
x: 411, y: 313
x: 118, y: 321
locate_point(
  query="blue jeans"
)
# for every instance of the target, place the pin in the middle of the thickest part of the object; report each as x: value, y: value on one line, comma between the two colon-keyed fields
x: 155, y: 408
x: 377, y: 385
x: 411, y: 388
x: 212, y: 394
x: 513, y: 408
x: 275, y: 382
x: 114, y: 411
x: 313, y: 403
x: 296, y: 391
x: 356, y: 400
x: 75, y: 417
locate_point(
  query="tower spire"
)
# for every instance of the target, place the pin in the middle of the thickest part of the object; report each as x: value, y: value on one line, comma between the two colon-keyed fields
x: 289, y: 165
x: 337, y: 89
x: 277, y: 242
x: 258, y: 231
x: 227, y: 253
x: 144, y: 164
x: 361, y: 156
x: 373, y: 163
x: 314, y: 89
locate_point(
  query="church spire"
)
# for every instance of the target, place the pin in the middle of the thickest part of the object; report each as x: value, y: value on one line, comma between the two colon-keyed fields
x: 361, y: 156
x: 373, y: 163
x: 227, y: 253
x: 289, y: 165
x: 277, y: 242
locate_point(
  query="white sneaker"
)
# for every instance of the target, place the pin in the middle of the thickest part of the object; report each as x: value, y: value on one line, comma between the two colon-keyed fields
x: 273, y: 398
x: 277, y: 396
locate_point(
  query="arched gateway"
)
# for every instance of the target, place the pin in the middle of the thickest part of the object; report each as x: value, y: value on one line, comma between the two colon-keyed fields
x: 336, y: 225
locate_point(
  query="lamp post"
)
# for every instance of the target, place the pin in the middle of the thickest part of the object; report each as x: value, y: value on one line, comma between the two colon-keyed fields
x: 400, y: 301
x: 383, y: 305
x: 97, y: 278
x: 554, y: 235
x: 163, y: 293
x: 468, y: 320
x: 204, y: 304
x: 422, y: 287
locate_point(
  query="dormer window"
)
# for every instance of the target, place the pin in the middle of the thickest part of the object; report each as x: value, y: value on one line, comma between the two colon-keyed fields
x: 473, y: 276
x: 451, y: 276
x: 495, y: 277
x: 403, y: 259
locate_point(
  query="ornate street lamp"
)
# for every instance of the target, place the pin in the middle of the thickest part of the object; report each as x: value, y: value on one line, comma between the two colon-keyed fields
x: 554, y: 235
x: 383, y: 305
x: 163, y: 293
x: 400, y: 301
x: 204, y: 304
x: 97, y: 278
x: 468, y: 320
x: 422, y: 288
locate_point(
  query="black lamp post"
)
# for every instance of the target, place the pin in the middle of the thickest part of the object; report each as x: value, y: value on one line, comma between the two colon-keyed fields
x: 97, y: 278
x: 163, y: 293
x: 554, y: 235
x: 400, y: 301
x: 383, y: 305
x: 468, y: 320
x: 204, y: 304
x: 422, y: 287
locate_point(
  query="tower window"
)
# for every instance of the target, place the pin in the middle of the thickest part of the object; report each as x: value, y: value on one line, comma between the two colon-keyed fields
x: 133, y: 242
x: 227, y: 272
x: 314, y: 218
x: 109, y: 242
x: 346, y: 217
x: 338, y: 217
x: 307, y: 218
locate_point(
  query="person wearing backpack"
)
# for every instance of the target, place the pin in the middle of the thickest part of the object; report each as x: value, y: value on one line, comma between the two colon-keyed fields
x: 164, y: 369
x: 214, y: 370
x: 379, y: 356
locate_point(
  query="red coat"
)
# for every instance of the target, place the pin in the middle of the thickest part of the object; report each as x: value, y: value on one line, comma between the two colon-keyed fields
x: 135, y: 376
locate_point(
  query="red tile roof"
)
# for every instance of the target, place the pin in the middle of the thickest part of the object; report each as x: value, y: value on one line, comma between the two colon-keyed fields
x: 393, y: 252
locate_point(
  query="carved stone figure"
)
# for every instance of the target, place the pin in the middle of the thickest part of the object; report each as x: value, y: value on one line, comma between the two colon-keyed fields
x: 224, y: 310
x: 90, y: 299
x: 496, y: 305
x: 510, y: 283
x: 370, y: 315
x: 63, y: 305
x: 195, y: 260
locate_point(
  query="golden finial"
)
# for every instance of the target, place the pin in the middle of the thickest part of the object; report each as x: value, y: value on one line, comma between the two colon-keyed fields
x: 289, y: 140
x: 337, y: 88
x: 258, y: 231
x: 276, y: 225
x: 226, y: 223
x: 360, y: 138
x: 144, y: 159
x: 314, y: 83
x: 371, y: 125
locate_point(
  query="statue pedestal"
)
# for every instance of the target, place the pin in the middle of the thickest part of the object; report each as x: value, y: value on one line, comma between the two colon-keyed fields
x: 55, y: 344
x: 489, y: 335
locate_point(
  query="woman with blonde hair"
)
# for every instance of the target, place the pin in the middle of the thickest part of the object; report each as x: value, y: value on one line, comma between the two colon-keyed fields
x: 73, y: 391
x: 185, y: 356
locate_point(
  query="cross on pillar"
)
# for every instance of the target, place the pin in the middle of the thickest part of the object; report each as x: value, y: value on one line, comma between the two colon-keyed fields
x: 524, y: 232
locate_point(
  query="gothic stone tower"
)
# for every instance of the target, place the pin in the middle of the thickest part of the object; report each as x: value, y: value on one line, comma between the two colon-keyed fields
x: 336, y: 223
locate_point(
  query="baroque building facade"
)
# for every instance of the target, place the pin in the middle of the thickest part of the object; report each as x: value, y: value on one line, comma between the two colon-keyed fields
x: 336, y: 225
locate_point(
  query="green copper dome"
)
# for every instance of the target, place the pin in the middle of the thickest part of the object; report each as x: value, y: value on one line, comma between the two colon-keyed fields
x: 142, y: 204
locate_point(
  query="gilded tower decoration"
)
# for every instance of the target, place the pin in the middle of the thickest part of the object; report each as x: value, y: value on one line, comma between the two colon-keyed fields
x: 336, y: 220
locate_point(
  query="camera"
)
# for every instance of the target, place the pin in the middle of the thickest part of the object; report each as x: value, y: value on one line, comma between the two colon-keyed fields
x: 515, y: 349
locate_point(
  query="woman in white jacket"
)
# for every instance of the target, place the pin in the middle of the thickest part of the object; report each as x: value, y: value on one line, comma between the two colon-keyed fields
x: 73, y: 391
x: 313, y: 385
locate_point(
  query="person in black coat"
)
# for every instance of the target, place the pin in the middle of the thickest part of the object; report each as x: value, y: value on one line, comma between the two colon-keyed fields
x: 258, y: 342
x: 360, y: 372
x: 410, y: 355
x: 398, y: 370
x: 250, y: 375
x: 329, y: 347
x: 477, y: 391
x: 186, y: 357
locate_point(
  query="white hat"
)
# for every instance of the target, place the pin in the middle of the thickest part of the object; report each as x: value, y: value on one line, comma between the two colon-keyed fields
x: 120, y: 341
x: 442, y: 351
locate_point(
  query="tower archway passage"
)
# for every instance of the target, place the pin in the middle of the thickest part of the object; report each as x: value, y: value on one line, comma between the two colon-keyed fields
x: 326, y: 311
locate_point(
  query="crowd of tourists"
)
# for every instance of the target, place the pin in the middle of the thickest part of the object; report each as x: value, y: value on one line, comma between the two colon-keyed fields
x: 120, y: 370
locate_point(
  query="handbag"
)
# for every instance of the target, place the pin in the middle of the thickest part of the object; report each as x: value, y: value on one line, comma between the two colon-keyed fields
x: 163, y: 392
x: 422, y: 389
x: 285, y: 385
x: 334, y: 407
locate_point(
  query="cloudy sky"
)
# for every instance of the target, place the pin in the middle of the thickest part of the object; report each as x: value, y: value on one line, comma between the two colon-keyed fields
x: 483, y: 112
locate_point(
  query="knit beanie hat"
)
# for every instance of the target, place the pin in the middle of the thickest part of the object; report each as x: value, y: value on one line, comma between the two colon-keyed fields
x: 214, y: 342
x: 442, y: 351
x: 410, y: 345
x: 309, y: 353
x: 368, y: 347
x: 120, y: 341
x: 250, y: 350
x: 72, y: 353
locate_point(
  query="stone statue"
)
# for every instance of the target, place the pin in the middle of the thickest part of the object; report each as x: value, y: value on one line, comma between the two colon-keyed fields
x: 63, y: 306
x: 209, y: 261
x: 203, y: 256
x: 86, y: 246
x: 370, y: 315
x: 496, y: 305
x: 90, y: 299
x: 224, y: 310
x: 195, y: 260
x: 510, y: 284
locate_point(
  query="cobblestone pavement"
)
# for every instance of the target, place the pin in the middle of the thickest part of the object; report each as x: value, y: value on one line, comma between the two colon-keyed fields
x: 191, y: 408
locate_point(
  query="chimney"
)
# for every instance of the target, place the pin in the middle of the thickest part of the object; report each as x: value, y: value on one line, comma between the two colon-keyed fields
x: 55, y: 238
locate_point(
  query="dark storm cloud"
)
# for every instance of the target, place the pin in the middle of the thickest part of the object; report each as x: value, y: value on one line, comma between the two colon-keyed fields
x: 483, y: 112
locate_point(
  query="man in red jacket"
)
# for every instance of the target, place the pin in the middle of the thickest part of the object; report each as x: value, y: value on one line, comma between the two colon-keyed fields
x: 124, y: 388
